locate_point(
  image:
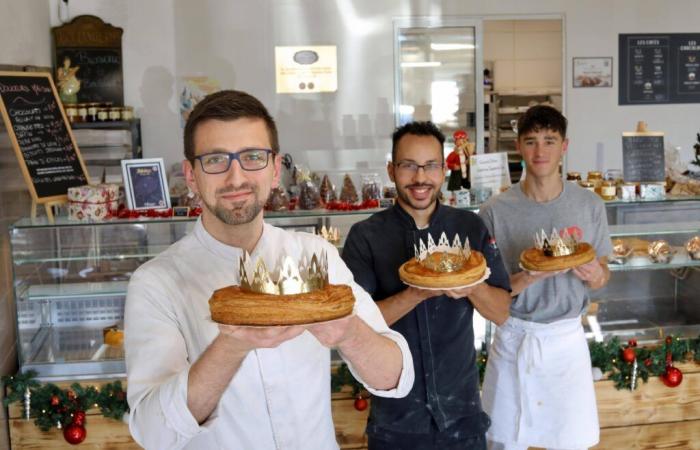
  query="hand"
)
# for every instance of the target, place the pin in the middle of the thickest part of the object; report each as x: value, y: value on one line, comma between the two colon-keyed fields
x: 334, y: 332
x: 418, y: 295
x: 245, y: 339
x: 537, y: 276
x: 461, y: 292
x: 590, y: 272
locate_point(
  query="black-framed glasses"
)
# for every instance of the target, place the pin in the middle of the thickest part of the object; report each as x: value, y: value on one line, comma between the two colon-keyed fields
x: 250, y: 159
x: 431, y: 168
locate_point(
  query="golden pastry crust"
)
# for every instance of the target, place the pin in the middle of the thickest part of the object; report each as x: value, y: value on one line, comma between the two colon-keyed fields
x: 415, y: 274
x: 233, y: 306
x: 534, y: 259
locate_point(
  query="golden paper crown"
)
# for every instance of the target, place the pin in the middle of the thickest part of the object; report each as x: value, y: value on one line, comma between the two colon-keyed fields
x: 557, y: 244
x: 452, y: 257
x: 292, y: 277
x: 330, y: 234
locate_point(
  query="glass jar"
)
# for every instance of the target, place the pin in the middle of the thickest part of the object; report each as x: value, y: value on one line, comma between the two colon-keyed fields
x: 573, y: 176
x: 71, y: 113
x: 128, y: 113
x: 587, y: 185
x: 92, y: 112
x: 102, y: 114
x: 371, y: 187
x: 115, y: 114
x: 614, y: 175
x: 608, y: 190
x: 82, y: 112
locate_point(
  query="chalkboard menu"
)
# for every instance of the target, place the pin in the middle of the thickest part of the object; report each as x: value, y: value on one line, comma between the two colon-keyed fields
x: 643, y: 157
x: 95, y: 48
x: 40, y: 135
x: 659, y: 68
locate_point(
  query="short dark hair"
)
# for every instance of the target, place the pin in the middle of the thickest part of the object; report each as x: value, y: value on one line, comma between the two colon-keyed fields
x: 417, y: 128
x: 228, y: 105
x: 542, y: 117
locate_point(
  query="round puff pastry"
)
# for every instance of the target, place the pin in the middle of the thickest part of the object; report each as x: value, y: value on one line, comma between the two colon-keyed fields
x: 233, y: 306
x: 413, y: 273
x: 534, y: 259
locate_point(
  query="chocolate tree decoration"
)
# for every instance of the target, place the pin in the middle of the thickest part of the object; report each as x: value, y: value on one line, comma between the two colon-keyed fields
x: 327, y: 190
x: 348, y: 193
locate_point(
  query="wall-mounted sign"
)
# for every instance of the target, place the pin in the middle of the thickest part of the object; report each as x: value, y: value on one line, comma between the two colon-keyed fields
x: 95, y: 48
x: 303, y: 70
x: 659, y: 68
x: 593, y: 72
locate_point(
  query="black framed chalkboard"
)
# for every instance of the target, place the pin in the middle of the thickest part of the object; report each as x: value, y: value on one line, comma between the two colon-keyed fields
x: 643, y: 157
x: 36, y: 123
x: 659, y: 68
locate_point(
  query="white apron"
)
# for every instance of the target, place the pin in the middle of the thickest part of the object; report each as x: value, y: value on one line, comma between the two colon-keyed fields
x: 538, y: 387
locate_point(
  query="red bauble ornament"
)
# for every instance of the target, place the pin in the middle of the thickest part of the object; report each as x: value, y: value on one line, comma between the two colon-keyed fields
x: 647, y: 362
x: 360, y: 404
x: 669, y: 340
x: 628, y: 354
x: 74, y: 434
x: 79, y: 418
x: 55, y: 400
x: 672, y: 377
x: 632, y: 342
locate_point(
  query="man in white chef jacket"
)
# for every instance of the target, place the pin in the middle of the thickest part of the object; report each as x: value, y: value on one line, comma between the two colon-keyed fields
x: 538, y: 387
x: 195, y: 385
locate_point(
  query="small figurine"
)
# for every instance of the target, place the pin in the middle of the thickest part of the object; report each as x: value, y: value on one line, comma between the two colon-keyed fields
x: 458, y: 162
x: 68, y: 83
x: 696, y: 147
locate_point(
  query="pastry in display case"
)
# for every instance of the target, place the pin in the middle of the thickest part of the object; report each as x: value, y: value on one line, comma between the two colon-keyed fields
x: 654, y: 284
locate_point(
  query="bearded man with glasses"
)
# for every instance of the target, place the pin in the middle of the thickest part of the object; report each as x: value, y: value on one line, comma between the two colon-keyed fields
x: 196, y: 385
x: 443, y: 410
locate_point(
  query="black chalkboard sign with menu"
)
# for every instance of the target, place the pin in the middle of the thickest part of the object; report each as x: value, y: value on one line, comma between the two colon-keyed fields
x: 643, y: 157
x: 659, y: 68
x: 36, y: 123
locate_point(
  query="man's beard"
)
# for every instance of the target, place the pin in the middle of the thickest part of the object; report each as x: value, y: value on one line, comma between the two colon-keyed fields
x: 239, y: 213
x: 403, y: 195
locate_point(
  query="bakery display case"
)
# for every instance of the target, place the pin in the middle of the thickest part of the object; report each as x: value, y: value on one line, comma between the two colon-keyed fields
x: 70, y: 281
x: 654, y: 284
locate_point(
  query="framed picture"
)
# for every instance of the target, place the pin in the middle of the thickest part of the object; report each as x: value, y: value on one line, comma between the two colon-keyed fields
x: 145, y: 184
x: 593, y: 72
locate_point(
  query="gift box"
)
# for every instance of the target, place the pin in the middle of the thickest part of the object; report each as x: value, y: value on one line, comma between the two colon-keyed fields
x: 92, y: 202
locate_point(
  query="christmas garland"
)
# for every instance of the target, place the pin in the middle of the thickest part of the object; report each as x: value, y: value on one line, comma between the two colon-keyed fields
x: 64, y: 409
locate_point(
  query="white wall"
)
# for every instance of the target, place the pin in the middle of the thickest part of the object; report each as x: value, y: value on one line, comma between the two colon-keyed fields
x: 234, y: 41
x: 148, y: 55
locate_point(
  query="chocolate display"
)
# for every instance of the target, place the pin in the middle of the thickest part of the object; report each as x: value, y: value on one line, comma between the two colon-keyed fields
x: 309, y: 197
x: 348, y: 194
x: 327, y: 190
x: 278, y: 200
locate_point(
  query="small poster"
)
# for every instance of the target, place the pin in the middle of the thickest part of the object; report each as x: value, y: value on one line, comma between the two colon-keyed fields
x: 593, y: 72
x: 194, y: 89
x: 305, y: 70
x: 489, y: 170
x: 145, y: 185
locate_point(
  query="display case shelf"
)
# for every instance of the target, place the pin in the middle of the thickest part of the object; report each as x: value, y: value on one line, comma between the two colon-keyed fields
x: 74, y: 290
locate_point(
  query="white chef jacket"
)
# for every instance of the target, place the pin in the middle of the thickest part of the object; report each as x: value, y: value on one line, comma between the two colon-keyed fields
x: 279, y: 398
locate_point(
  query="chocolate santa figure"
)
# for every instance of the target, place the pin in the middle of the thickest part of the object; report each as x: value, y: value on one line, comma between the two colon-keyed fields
x: 458, y: 162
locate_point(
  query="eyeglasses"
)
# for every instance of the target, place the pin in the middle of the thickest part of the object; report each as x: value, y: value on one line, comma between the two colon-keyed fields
x: 250, y: 159
x: 431, y: 168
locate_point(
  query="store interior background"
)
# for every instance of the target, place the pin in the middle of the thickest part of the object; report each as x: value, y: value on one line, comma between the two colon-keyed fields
x: 233, y: 42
